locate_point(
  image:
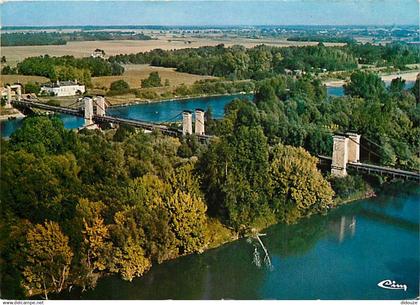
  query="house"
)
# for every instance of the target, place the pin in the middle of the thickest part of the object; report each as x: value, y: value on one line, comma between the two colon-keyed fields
x: 64, y: 88
x: 98, y: 53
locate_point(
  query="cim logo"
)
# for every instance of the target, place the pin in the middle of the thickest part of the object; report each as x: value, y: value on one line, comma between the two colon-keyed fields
x: 388, y: 284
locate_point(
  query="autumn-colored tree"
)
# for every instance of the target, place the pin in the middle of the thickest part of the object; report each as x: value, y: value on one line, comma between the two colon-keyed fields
x: 299, y: 189
x: 130, y: 260
x: 48, y: 258
x: 129, y: 257
x: 188, y: 221
x: 96, y: 240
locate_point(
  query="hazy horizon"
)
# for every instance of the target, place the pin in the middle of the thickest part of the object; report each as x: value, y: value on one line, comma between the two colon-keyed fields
x: 211, y: 13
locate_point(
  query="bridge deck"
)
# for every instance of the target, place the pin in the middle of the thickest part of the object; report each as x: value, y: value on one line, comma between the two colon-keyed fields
x: 29, y: 103
x: 377, y: 169
x: 109, y: 119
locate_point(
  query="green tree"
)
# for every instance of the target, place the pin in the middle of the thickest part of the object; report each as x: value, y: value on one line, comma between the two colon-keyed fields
x: 365, y: 84
x: 48, y: 259
x: 235, y: 172
x: 3, y: 59
x: 152, y: 81
x: 416, y: 89
x: 43, y: 135
x: 36, y: 187
x: 32, y: 88
x: 119, y: 87
x: 397, y: 85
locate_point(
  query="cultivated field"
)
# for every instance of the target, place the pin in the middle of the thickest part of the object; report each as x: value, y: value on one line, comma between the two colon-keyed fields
x: 22, y: 79
x: 114, y: 47
x: 135, y: 73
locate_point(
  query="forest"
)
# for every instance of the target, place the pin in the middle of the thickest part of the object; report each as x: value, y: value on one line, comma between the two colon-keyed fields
x: 238, y: 62
x: 78, y: 206
x: 68, y: 68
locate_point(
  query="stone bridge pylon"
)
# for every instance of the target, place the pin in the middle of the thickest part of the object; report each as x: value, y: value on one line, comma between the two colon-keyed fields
x: 346, y: 149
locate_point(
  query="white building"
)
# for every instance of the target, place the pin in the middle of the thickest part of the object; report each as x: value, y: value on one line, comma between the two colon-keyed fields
x: 65, y: 88
x: 98, y: 53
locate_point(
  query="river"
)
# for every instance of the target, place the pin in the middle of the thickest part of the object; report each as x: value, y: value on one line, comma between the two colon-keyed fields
x: 153, y: 112
x: 342, y: 255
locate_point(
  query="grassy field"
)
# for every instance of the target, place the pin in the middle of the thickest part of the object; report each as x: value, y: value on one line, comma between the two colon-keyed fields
x: 23, y: 79
x: 135, y: 73
x: 113, y: 47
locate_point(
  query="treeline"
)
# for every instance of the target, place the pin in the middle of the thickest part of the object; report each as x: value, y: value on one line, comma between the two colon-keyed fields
x: 31, y: 39
x: 61, y: 38
x: 262, y: 61
x: 68, y: 67
x: 395, y: 54
x: 79, y: 206
x: 238, y: 62
x: 322, y: 38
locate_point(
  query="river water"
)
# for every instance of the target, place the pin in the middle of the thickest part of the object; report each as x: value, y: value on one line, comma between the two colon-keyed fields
x: 342, y: 255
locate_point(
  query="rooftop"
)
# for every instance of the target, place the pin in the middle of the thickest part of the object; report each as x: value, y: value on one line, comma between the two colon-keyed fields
x: 61, y: 84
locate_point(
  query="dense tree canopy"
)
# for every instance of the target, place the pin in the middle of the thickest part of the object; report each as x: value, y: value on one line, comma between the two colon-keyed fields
x: 262, y: 61
x: 68, y: 67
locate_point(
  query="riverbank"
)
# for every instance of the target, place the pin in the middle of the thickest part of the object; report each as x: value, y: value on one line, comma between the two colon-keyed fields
x: 175, y: 99
x: 230, y: 235
x: 410, y: 76
x: 10, y: 114
x: 375, y: 237
x: 221, y: 237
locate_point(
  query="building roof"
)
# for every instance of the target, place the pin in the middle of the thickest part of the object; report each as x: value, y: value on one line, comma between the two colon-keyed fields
x: 59, y: 84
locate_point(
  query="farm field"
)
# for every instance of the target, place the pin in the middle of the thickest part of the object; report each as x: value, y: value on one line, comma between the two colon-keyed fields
x: 135, y: 73
x: 114, y: 47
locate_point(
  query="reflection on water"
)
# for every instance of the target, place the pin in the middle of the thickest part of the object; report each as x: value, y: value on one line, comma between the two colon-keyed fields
x: 322, y: 257
x: 344, y: 227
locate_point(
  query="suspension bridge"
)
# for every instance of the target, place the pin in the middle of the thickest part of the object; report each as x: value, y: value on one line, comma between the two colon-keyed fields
x: 346, y: 155
x: 93, y: 118
x: 346, y: 147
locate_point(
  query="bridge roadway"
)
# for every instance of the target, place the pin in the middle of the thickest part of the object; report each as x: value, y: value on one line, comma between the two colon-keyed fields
x: 360, y: 167
x: 377, y: 169
x: 106, y: 119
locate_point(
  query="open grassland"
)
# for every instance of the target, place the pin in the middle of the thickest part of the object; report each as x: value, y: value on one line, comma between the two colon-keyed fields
x: 114, y: 47
x: 22, y: 79
x: 135, y: 73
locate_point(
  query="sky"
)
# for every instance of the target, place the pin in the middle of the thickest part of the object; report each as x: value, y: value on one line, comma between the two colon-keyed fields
x: 205, y: 13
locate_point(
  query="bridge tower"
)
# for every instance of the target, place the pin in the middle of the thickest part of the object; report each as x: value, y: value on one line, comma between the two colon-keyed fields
x: 186, y: 122
x: 100, y: 105
x: 340, y: 156
x: 346, y: 148
x: 18, y: 95
x: 199, y: 122
x: 88, y: 103
x: 353, y: 147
